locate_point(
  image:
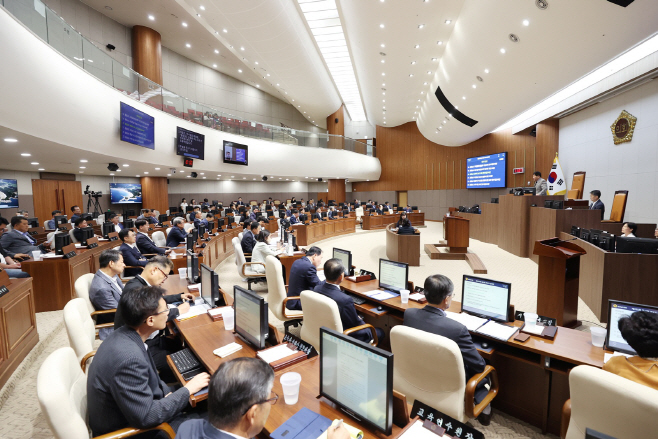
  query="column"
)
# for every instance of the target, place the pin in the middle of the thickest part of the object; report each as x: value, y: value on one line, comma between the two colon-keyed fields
x: 147, y: 53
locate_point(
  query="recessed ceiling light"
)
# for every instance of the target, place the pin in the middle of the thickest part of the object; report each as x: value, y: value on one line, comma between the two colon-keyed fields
x: 157, y: 169
x: 422, y: 92
x: 204, y: 178
x: 182, y: 172
x: 420, y: 26
x: 417, y: 46
x: 10, y: 140
x: 82, y: 172
x: 198, y: 15
x: 429, y: 73
x: 434, y: 59
x: 34, y: 163
x: 502, y: 50
x: 184, y: 24
x: 188, y: 176
x: 526, y: 22
x: 384, y: 108
x: 448, y: 21
x: 83, y: 167
x: 224, y: 30
x: 118, y: 170
x: 464, y: 97
x: 304, y: 112
x: 241, y: 48
x: 486, y: 70
x: 125, y: 165
x: 411, y: 74
x: 383, y: 74
x: 383, y: 100
x: 41, y: 169
x: 168, y: 175
x: 151, y: 17
x: 413, y: 62
x: 216, y: 33
x: 384, y: 93
x: 214, y: 65
x: 277, y: 84
x: 188, y: 45
x: 383, y: 84
x: 203, y: 8
x: 244, y: 178
x: 26, y: 154
x: 83, y: 161
x: 257, y: 85
x: 383, y: 61
x: 145, y: 172
x: 383, y: 45
x: 439, y: 43
x: 239, y: 70
x: 384, y: 124
x: 217, y: 51
x: 381, y: 26
x: 425, y: 83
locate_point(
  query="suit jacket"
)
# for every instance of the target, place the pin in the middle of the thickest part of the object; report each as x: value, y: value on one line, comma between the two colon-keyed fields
x: 50, y: 224
x: 239, y: 203
x: 331, y: 214
x: 124, y: 388
x: 198, y: 221
x: 434, y: 320
x: 541, y: 188
x: 248, y: 241
x: 176, y: 237
x: 409, y: 230
x: 132, y: 256
x: 294, y: 219
x: 74, y: 217
x: 146, y: 245
x: 77, y: 234
x: 15, y: 242
x: 303, y: 276
x: 348, y: 316
x: 105, y: 294
x: 598, y: 205
x: 200, y: 429
x: 139, y: 282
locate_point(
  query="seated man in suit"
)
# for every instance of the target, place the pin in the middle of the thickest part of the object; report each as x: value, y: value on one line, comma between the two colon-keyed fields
x: 432, y: 318
x: 408, y: 209
x: 76, y: 213
x: 331, y: 214
x: 79, y: 224
x: 304, y: 276
x: 114, y: 219
x: 123, y: 386
x: 205, y: 203
x: 131, y: 254
x: 640, y: 330
x: 594, y: 197
x: 379, y: 210
x: 50, y: 224
x: 334, y: 273
x: 198, y: 220
x: 406, y: 228
x: 177, y: 233
x: 541, y: 187
x: 145, y: 244
x: 254, y: 214
x: 106, y: 287
x: 294, y: 216
x: 12, y: 267
x: 239, y: 203
x: 387, y: 208
x: 18, y: 242
x: 249, y: 237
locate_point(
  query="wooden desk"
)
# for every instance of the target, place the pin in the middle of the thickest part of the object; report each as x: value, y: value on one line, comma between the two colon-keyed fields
x: 308, y: 234
x: 287, y: 262
x: 18, y: 325
x: 381, y: 221
x: 644, y: 230
x: 402, y: 248
x: 484, y: 226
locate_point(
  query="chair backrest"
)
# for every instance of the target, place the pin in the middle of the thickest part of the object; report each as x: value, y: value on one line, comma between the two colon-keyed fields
x: 168, y: 230
x: 81, y: 286
x: 99, y: 222
x: 610, y: 404
x: 62, y: 394
x: 72, y: 236
x: 101, y: 218
x: 45, y: 225
x: 239, y: 254
x: 359, y: 211
x: 240, y: 235
x: 439, y: 380
x: 276, y: 289
x: 319, y: 310
x: 159, y: 238
x: 188, y: 227
x: 618, y: 206
x: 578, y: 183
x: 79, y: 327
x: 573, y: 194
x: 52, y: 241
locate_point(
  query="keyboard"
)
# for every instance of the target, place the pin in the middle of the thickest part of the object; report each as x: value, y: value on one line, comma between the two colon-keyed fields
x: 358, y: 300
x: 186, y: 363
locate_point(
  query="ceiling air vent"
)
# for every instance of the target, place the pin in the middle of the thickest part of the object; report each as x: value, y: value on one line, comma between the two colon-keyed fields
x: 513, y: 38
x: 541, y: 4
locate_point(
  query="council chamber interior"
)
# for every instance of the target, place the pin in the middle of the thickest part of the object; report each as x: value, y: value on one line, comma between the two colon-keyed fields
x: 422, y: 217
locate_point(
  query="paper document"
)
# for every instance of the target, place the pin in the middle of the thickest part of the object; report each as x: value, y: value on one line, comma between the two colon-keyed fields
x: 536, y: 330
x: 194, y: 287
x: 416, y: 296
x: 471, y: 322
x: 321, y: 276
x: 384, y: 295
x: 607, y: 356
x: 498, y: 331
x: 354, y: 432
x: 227, y: 350
x: 275, y: 353
x: 218, y: 311
x: 50, y: 255
x: 194, y: 311
x: 417, y: 431
x: 371, y: 293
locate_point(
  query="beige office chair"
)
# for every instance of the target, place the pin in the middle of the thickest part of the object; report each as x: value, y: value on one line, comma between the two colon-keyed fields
x: 240, y: 235
x: 188, y: 227
x: 49, y: 238
x: 168, y: 230
x: 244, y: 270
x: 62, y: 394
x: 80, y: 329
x: 73, y: 240
x: 159, y: 238
x: 439, y: 380
x: 277, y: 296
x: 81, y: 286
x: 319, y: 310
x: 609, y: 404
x: 45, y: 225
x: 618, y: 207
x: 359, y: 213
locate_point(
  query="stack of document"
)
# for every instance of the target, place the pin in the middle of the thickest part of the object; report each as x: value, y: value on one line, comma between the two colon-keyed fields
x: 497, y: 331
x: 321, y: 276
x: 276, y: 353
x: 417, y: 431
x: 194, y: 311
x: 380, y: 294
x: 472, y: 323
x: 227, y: 350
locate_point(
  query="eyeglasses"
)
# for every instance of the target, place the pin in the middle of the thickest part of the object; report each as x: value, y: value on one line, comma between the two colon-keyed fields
x: 272, y: 400
x: 163, y: 273
x: 158, y: 313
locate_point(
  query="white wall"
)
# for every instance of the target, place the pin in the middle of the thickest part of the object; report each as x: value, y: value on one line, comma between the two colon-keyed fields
x: 586, y: 145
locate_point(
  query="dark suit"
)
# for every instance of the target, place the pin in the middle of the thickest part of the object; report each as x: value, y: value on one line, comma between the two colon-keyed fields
x: 198, y: 221
x: 598, y: 205
x: 50, y: 224
x: 408, y: 230
x: 132, y: 256
x: 146, y: 245
x: 348, y: 316
x: 105, y: 294
x: 124, y: 389
x: 303, y: 276
x: 248, y: 241
x: 15, y: 242
x: 77, y: 234
x: 74, y: 217
x: 434, y: 320
x: 239, y: 203
x: 200, y: 429
x: 331, y: 214
x: 176, y: 237
x: 293, y: 220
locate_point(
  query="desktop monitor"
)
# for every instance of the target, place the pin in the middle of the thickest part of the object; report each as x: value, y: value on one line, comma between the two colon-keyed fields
x: 215, y: 202
x: 128, y: 223
x: 303, y: 217
x: 584, y: 234
x: 548, y: 204
x: 33, y: 222
x: 190, y: 241
x: 61, y: 240
x: 163, y: 217
x: 201, y: 230
x: 60, y: 219
x: 87, y: 233
x: 575, y: 231
x: 395, y: 205
x: 594, y: 236
x: 616, y: 310
x: 530, y: 190
x: 173, y: 209
x: 221, y: 221
x: 494, y: 200
x: 345, y: 257
x: 607, y: 241
x: 250, y: 316
x: 358, y: 378
x: 211, y: 226
x: 106, y: 229
x: 346, y: 213
x: 209, y: 285
x: 324, y: 214
x: 129, y: 212
x: 282, y: 214
x: 192, y: 267
x: 486, y: 298
x: 393, y: 275
x: 372, y: 211
x: 558, y: 204
x: 637, y: 245
x: 414, y: 207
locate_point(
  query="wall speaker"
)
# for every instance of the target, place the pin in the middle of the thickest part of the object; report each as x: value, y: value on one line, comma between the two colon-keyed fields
x: 110, y: 47
x: 336, y: 120
x: 320, y: 179
x: 112, y: 167
x: 194, y: 174
x: 264, y: 177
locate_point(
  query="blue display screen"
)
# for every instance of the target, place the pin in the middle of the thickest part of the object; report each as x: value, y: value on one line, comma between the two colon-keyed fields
x: 190, y: 144
x: 125, y: 193
x: 137, y: 127
x: 487, y: 171
x: 8, y: 194
x: 236, y: 153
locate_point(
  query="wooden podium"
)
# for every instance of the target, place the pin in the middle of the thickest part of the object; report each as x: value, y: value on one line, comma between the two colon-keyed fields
x: 557, y: 287
x: 456, y: 233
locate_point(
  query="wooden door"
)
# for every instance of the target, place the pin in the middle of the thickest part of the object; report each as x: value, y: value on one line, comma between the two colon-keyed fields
x: 46, y: 198
x: 71, y: 195
x: 402, y: 199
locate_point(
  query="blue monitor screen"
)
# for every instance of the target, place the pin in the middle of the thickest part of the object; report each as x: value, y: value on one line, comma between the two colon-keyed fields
x: 8, y: 194
x: 137, y: 127
x: 125, y: 193
x: 236, y: 153
x: 190, y: 144
x: 487, y: 171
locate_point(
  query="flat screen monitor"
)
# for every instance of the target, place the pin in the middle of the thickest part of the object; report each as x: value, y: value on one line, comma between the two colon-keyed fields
x: 8, y: 194
x: 87, y: 233
x: 211, y: 226
x: 128, y: 213
x: 358, y: 378
x: 616, y: 310
x: 324, y: 214
x: 192, y: 267
x: 637, y: 245
x: 209, y: 285
x: 393, y: 275
x: 189, y: 143
x: 236, y: 153
x: 607, y: 242
x: 125, y: 193
x: 137, y: 127
x: 163, y: 217
x: 584, y: 234
x: 250, y: 316
x: 221, y: 221
x: 128, y: 223
x: 594, y: 236
x: 106, y: 229
x: 201, y: 230
x: 61, y: 240
x: 575, y: 231
x: 60, y: 219
x: 345, y: 257
x: 558, y: 204
x: 173, y: 209
x: 487, y: 171
x: 548, y: 204
x: 190, y: 241
x: 486, y: 298
x: 33, y: 222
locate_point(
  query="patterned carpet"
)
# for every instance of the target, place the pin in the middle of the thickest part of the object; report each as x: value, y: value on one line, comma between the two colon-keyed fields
x: 19, y: 408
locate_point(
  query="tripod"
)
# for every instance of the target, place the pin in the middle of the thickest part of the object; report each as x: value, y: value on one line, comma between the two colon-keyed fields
x: 93, y: 203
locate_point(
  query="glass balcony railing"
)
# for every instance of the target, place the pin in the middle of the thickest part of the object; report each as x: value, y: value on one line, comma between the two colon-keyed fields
x: 51, y: 28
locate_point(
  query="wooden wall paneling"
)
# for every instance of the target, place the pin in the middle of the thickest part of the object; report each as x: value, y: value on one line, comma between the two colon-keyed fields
x: 547, y: 145
x: 336, y: 128
x: 71, y: 193
x: 45, y: 198
x: 147, y: 53
x: 336, y: 190
x: 155, y: 193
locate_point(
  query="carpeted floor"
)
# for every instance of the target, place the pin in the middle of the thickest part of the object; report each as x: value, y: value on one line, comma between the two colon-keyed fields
x: 19, y: 408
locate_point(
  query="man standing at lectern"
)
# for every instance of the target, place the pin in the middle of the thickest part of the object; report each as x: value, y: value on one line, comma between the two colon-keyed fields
x: 594, y: 197
x: 541, y: 187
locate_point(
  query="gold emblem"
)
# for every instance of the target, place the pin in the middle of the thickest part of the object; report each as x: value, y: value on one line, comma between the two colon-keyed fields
x: 622, y: 129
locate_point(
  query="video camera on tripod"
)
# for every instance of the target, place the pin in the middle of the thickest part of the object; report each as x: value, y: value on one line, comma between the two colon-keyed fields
x: 93, y: 203
x: 92, y: 193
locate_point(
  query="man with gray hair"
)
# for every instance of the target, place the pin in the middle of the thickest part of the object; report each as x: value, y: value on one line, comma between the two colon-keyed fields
x: 177, y: 233
x: 239, y: 401
x: 106, y: 287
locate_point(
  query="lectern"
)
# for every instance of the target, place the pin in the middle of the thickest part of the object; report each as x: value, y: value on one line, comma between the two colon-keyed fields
x: 557, y: 287
x: 456, y: 233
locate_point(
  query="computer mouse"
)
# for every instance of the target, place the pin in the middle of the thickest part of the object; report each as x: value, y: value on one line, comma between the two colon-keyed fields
x: 485, y: 345
x: 380, y: 308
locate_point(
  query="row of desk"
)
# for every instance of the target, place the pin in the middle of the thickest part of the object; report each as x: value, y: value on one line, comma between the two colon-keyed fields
x: 374, y: 222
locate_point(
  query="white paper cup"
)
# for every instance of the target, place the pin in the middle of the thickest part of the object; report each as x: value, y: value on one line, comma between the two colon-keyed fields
x: 598, y: 336
x: 182, y: 272
x: 530, y: 319
x: 404, y: 296
x: 229, y: 319
x: 290, y: 383
x: 36, y: 255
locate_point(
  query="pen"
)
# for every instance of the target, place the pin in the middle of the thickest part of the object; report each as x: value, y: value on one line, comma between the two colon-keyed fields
x: 340, y: 422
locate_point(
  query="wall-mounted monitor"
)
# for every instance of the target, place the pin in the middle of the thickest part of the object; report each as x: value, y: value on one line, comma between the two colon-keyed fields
x: 137, y: 127
x: 487, y: 171
x: 8, y: 194
x: 125, y: 193
x: 236, y: 153
x: 189, y: 143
